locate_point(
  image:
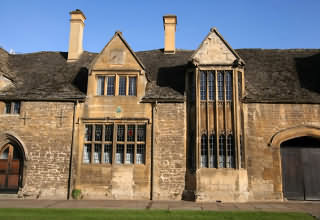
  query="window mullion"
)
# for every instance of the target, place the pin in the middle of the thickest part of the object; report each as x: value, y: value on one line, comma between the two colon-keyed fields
x: 127, y: 85
x: 102, y: 143
x: 116, y: 84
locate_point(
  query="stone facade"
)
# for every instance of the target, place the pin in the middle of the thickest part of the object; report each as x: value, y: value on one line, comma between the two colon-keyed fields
x: 169, y: 151
x: 44, y: 130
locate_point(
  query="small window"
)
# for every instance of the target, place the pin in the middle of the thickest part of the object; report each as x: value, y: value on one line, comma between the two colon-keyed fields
x: 100, y: 86
x: 132, y: 86
x: 120, y: 133
x: 204, y: 151
x: 110, y: 85
x: 109, y: 133
x: 88, y: 136
x: 131, y: 133
x: 141, y: 135
x: 12, y: 107
x: 98, y: 133
x: 97, y: 153
x: 122, y: 85
x: 203, y: 85
x: 87, y: 153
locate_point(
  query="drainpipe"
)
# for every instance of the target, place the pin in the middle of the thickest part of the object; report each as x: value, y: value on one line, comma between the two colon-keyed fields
x: 154, y: 105
x: 71, y: 150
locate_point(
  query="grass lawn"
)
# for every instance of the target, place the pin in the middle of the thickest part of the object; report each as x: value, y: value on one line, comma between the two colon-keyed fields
x: 95, y: 214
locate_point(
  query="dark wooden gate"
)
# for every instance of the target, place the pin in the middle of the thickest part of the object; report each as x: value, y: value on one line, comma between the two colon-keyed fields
x: 301, y: 171
x: 10, y: 169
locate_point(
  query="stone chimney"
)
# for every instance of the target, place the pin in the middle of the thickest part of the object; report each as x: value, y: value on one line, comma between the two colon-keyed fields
x: 76, y: 34
x: 169, y: 24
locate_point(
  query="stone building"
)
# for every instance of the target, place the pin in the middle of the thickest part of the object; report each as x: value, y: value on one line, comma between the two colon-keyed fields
x: 167, y: 124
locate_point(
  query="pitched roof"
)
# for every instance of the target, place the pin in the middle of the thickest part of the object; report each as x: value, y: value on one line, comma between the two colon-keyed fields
x: 282, y: 76
x: 275, y: 76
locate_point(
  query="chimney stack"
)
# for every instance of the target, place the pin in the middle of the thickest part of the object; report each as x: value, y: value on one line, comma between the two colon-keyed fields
x: 76, y: 35
x: 169, y: 24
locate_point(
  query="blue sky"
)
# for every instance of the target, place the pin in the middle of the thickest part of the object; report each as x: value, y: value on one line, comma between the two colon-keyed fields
x: 43, y: 25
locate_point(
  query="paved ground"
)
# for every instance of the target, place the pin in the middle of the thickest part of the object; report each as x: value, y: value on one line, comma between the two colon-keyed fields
x: 312, y: 208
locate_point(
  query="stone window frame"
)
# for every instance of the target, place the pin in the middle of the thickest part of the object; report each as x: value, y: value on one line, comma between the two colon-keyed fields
x: 12, y: 107
x: 130, y: 89
x: 119, y: 147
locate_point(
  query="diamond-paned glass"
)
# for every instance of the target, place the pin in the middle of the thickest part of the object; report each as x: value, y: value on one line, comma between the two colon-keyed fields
x: 98, y: 133
x: 107, y: 153
x: 140, y: 157
x: 131, y: 132
x: 204, y: 151
x: 122, y: 85
x: 203, y: 85
x: 211, y: 85
x: 110, y: 85
x: 120, y: 132
x: 229, y: 88
x: 109, y: 133
x: 222, y: 157
x: 100, y: 85
x: 88, y: 133
x: 132, y: 86
x: 220, y: 85
x: 141, y: 133
x: 120, y: 153
x: 130, y: 154
x: 97, y: 153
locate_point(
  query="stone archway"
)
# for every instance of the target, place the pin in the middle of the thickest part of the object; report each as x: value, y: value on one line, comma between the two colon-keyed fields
x: 299, y: 161
x: 12, y: 160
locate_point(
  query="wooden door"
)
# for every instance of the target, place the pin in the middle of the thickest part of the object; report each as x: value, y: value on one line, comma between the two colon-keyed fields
x: 10, y: 169
x: 311, y: 167
x: 292, y: 173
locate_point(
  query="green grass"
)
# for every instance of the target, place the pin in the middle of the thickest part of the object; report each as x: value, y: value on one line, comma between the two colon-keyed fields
x: 97, y: 214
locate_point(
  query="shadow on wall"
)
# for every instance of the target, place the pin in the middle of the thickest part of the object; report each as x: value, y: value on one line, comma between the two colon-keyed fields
x: 308, y: 69
x: 172, y: 77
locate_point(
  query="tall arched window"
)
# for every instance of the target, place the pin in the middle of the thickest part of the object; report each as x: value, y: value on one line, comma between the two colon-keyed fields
x: 213, y: 151
x: 222, y: 155
x: 204, y: 151
x: 220, y: 85
x: 203, y: 85
x: 230, y: 152
x: 229, y: 85
x: 211, y: 85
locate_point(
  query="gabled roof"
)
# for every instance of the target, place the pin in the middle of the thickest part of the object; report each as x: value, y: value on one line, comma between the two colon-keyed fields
x: 214, y: 30
x: 117, y: 34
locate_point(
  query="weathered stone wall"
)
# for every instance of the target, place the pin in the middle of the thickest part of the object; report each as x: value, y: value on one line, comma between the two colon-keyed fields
x: 169, y: 151
x: 46, y: 137
x: 261, y: 123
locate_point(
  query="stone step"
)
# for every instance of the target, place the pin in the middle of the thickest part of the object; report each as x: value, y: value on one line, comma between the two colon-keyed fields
x: 8, y: 196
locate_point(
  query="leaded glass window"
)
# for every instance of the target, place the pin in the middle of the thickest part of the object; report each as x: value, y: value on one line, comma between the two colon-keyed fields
x: 141, y: 133
x: 88, y: 131
x: 222, y: 156
x: 107, y: 153
x: 203, y: 85
x: 131, y: 133
x: 204, y: 151
x: 87, y: 153
x: 97, y: 153
x: 100, y: 85
x: 109, y: 133
x: 110, y: 85
x: 120, y: 153
x: 12, y: 107
x: 242, y: 156
x: 213, y: 151
x: 240, y: 84
x: 220, y: 85
x: 122, y: 85
x: 211, y: 85
x: 130, y: 154
x: 132, y: 86
x: 140, y: 157
x: 230, y: 163
x: 229, y: 87
x: 120, y: 133
x: 98, y: 133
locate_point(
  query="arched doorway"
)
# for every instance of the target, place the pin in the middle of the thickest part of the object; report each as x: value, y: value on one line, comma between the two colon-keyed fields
x: 300, y: 160
x: 11, y: 165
